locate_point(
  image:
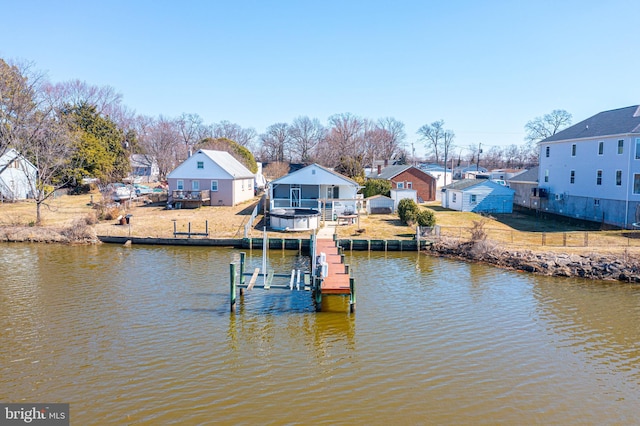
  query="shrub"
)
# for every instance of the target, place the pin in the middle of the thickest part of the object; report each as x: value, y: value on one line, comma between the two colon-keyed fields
x: 408, y: 211
x: 426, y: 217
x: 376, y: 187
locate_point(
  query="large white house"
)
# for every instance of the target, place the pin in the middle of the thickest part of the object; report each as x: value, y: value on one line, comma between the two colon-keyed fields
x: 591, y: 170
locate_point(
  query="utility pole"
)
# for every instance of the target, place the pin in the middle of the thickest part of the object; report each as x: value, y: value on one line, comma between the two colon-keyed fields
x: 478, y: 160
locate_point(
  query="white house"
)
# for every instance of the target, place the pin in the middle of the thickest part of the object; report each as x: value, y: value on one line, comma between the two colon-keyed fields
x: 591, y: 170
x: 144, y: 168
x: 17, y: 176
x: 315, y: 187
x: 478, y: 195
x: 213, y: 178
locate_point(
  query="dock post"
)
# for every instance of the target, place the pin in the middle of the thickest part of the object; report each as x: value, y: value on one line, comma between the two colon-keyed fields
x: 189, y: 235
x: 242, y: 256
x: 232, y: 286
x: 352, y: 295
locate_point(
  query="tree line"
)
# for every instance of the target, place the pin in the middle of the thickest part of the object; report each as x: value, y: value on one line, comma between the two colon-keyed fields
x: 73, y: 130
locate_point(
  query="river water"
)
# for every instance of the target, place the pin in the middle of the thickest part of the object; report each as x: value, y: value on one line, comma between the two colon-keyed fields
x: 144, y: 336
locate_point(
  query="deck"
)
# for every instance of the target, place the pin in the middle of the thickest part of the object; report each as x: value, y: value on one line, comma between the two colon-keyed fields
x: 337, y: 279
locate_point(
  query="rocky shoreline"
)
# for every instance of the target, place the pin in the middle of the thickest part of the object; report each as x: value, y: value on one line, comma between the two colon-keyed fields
x: 593, y: 266
x: 623, y: 268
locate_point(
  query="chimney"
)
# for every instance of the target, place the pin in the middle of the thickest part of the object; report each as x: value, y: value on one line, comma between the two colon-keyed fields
x: 386, y: 162
x: 379, y: 168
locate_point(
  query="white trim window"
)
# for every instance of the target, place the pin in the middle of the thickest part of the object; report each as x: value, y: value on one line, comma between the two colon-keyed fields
x: 620, y: 146
x: 409, y: 185
x: 214, y: 186
x: 180, y: 184
x: 599, y: 177
x: 195, y: 185
x: 201, y: 164
x: 572, y: 178
x: 400, y: 185
x: 618, y: 177
x: 637, y: 148
x: 601, y: 148
x: 636, y: 183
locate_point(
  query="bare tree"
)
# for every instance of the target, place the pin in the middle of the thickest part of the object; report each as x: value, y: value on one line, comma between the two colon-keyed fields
x: 437, y: 140
x: 394, y: 136
x: 160, y: 140
x: 344, y: 139
x: 228, y: 130
x: 548, y: 125
x: 433, y: 135
x: 32, y: 123
x: 19, y: 87
x: 76, y: 92
x: 275, y: 142
x: 306, y: 134
x: 191, y: 129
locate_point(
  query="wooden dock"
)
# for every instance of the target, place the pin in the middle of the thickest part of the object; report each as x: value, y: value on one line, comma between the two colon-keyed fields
x: 331, y: 276
x: 337, y: 279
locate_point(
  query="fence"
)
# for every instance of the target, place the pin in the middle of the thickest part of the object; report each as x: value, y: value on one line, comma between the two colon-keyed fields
x: 256, y: 210
x: 624, y: 238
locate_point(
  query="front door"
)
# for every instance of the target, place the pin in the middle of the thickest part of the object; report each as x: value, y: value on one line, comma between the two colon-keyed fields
x: 295, y: 197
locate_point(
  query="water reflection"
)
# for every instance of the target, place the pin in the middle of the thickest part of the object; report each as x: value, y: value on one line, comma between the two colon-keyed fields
x: 144, y: 335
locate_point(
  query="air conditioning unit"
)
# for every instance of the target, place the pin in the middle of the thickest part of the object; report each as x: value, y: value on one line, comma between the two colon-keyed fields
x: 559, y: 197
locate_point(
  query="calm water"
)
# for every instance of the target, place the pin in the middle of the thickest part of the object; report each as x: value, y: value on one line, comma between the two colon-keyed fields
x: 144, y: 336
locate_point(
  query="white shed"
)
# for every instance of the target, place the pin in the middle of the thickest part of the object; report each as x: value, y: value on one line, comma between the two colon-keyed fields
x: 400, y: 194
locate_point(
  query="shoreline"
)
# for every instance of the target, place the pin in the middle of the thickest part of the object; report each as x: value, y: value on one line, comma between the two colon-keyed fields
x: 624, y: 268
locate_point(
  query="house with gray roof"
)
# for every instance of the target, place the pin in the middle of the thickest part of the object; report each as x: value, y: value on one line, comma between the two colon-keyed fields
x: 210, y: 178
x: 591, y: 170
x: 409, y: 177
x: 478, y: 195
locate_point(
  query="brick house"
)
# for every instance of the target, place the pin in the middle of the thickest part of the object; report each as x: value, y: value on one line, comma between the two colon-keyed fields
x: 408, y: 177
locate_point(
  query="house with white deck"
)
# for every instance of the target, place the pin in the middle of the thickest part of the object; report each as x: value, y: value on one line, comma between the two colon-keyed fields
x: 315, y: 187
x: 591, y: 170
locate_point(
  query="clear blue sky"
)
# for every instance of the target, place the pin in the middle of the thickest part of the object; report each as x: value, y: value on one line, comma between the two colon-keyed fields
x: 484, y: 67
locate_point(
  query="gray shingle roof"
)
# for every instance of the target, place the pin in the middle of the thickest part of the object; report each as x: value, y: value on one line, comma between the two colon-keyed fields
x: 613, y: 122
x: 390, y: 171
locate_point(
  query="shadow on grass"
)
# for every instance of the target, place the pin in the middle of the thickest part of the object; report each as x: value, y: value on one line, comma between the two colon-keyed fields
x: 544, y: 222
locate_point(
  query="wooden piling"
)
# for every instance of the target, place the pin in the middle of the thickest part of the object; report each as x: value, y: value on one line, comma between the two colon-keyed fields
x: 232, y: 286
x: 352, y: 295
x: 242, y: 258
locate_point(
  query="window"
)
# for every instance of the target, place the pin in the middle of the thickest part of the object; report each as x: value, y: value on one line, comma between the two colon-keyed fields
x: 618, y: 177
x: 473, y: 198
x: 573, y: 150
x: 201, y: 164
x: 620, y: 146
x: 636, y: 184
x: 573, y: 177
x: 195, y: 185
x: 453, y: 197
x: 596, y: 202
x: 400, y: 185
x: 599, y: 177
x: 600, y: 148
x: 547, y: 151
x: 637, y: 148
x: 409, y: 185
x: 214, y: 185
x: 180, y: 185
x: 546, y: 175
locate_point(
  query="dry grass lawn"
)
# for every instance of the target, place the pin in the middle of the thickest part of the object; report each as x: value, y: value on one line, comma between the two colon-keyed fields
x: 229, y: 222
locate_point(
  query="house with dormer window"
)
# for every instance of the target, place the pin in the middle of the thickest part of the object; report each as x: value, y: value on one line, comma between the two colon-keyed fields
x: 210, y: 178
x: 591, y: 170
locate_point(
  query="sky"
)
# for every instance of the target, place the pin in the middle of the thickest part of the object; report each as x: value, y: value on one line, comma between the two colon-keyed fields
x: 484, y: 67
